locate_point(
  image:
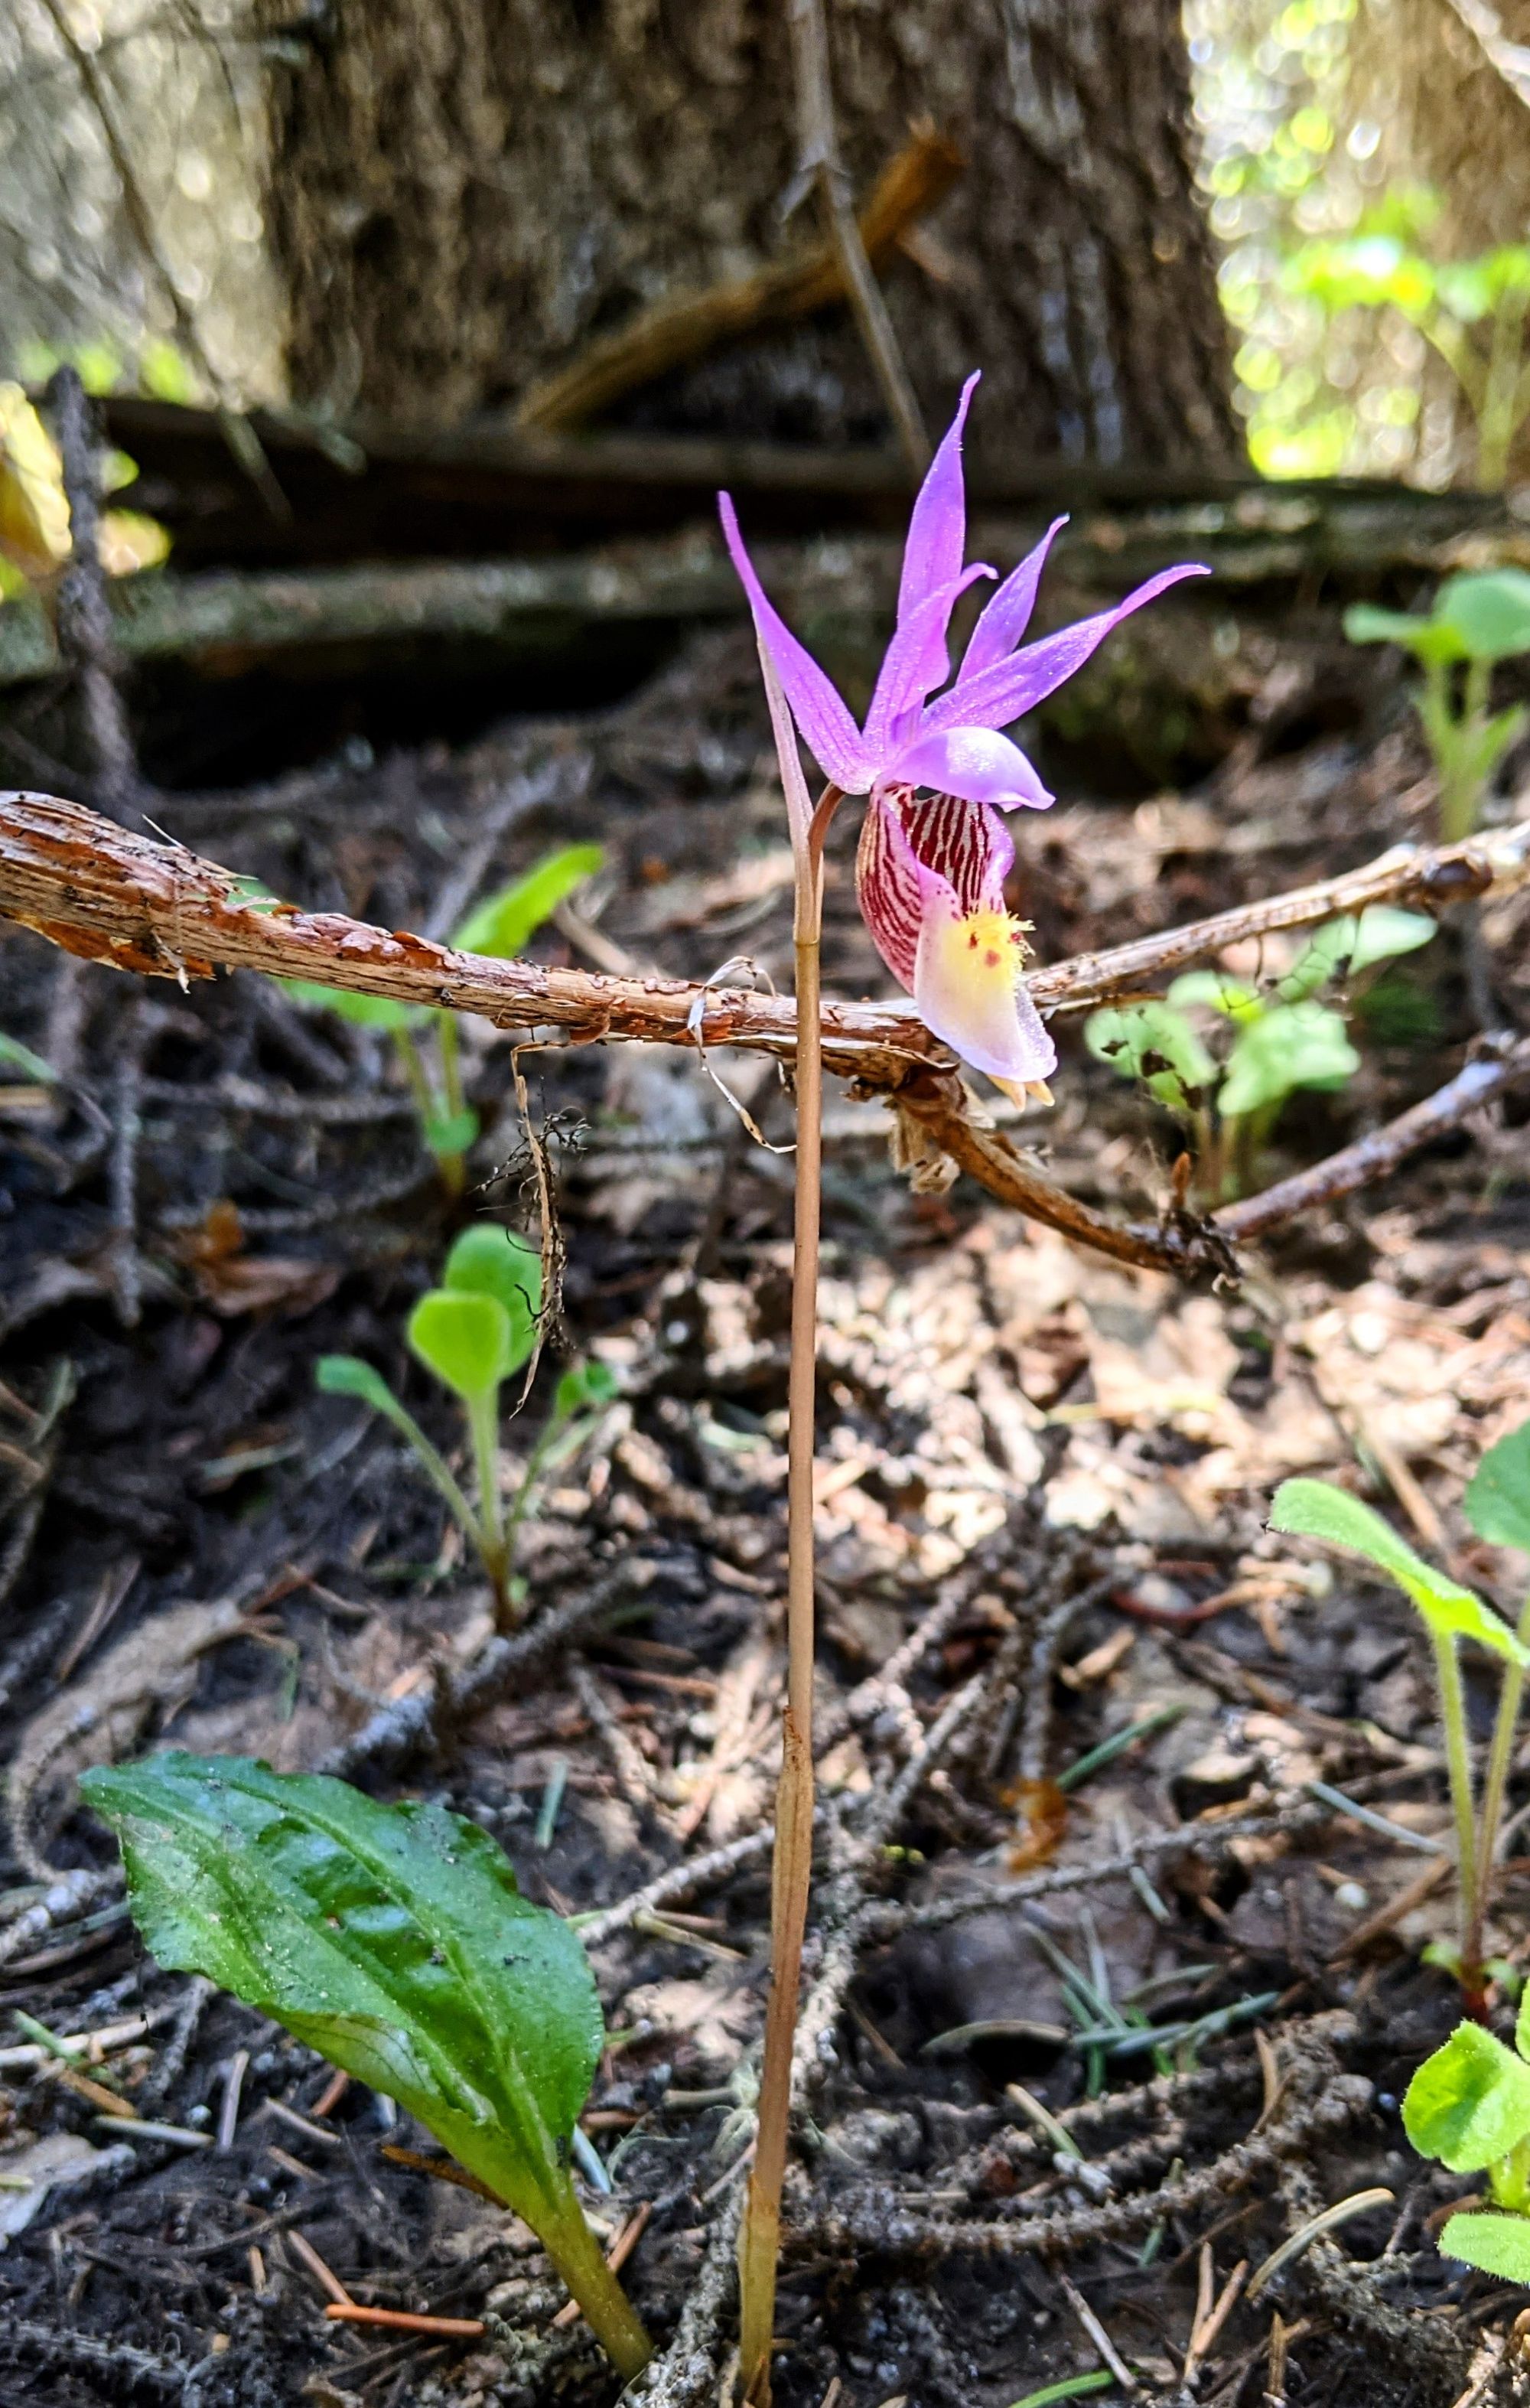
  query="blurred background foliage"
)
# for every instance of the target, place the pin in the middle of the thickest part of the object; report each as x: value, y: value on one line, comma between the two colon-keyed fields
x: 1362, y: 162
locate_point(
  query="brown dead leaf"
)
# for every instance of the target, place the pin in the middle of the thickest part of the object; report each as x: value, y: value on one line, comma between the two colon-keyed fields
x: 231, y: 1282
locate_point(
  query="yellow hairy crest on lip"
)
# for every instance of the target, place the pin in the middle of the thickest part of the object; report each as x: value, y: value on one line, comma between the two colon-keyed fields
x: 985, y: 944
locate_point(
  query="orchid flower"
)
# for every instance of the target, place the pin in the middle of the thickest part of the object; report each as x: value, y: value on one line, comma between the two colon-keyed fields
x: 934, y: 852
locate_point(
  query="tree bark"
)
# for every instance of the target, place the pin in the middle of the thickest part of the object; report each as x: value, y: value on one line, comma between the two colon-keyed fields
x: 462, y: 198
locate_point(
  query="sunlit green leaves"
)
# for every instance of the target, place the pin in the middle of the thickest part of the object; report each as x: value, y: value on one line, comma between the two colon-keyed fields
x: 465, y: 1339
x: 1292, y: 1045
x: 1312, y: 1509
x: 1469, y: 2102
x: 1480, y: 617
x: 1497, y: 1498
x: 1346, y: 946
x: 488, y: 1260
x: 391, y: 1939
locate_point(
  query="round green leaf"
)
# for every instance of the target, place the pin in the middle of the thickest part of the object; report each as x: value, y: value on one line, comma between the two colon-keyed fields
x: 1497, y: 1498
x: 1488, y: 613
x: 1469, y: 2102
x: 1499, y: 2245
x: 1153, y: 1042
x: 1363, y: 623
x: 464, y: 1338
x: 487, y: 1260
x: 347, y: 1375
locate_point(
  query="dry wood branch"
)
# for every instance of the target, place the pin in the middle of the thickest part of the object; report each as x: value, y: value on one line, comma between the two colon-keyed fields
x: 689, y: 325
x: 114, y: 895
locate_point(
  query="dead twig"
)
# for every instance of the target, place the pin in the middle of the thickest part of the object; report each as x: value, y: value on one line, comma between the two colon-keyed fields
x: 125, y: 898
x: 83, y: 612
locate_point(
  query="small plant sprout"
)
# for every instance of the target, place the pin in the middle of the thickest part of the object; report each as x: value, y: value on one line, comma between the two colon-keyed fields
x: 394, y: 1941
x: 1498, y: 1498
x: 1283, y: 1040
x: 474, y: 1332
x: 500, y: 927
x: 1477, y: 622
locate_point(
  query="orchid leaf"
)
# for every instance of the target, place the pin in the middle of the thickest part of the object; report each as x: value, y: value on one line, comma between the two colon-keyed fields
x: 503, y: 924
x: 1312, y: 1509
x: 1498, y: 2244
x: 391, y: 1939
x: 1469, y: 2102
x: 1497, y: 1498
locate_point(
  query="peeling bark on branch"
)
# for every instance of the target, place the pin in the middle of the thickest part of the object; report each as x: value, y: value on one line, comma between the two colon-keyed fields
x: 139, y: 904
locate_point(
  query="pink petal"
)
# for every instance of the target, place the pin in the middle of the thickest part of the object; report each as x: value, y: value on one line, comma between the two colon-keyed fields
x: 964, y: 846
x: 932, y: 555
x: 974, y: 764
x: 1008, y: 613
x: 1004, y: 693
x: 830, y: 733
x: 916, y: 661
x: 969, y: 991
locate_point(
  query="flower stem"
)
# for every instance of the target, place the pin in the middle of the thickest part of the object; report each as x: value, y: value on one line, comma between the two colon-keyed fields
x: 759, y: 2236
x: 1458, y: 1763
x: 1494, y: 1785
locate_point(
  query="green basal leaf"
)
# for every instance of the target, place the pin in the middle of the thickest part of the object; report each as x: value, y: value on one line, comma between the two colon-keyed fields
x: 488, y: 1260
x: 503, y: 924
x: 347, y: 1375
x: 465, y: 1339
x: 391, y: 1939
x: 1292, y: 1045
x: 451, y: 1133
x: 1488, y: 613
x: 1312, y: 1509
x: 1469, y: 2102
x: 1499, y: 2245
x: 1157, y: 1044
x: 362, y: 1010
x: 1497, y: 1498
x: 1234, y: 997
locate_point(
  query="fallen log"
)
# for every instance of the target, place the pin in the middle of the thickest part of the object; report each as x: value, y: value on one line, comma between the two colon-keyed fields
x: 138, y: 903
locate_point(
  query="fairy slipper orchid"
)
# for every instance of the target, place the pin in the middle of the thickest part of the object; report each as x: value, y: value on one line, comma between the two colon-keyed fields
x: 934, y: 852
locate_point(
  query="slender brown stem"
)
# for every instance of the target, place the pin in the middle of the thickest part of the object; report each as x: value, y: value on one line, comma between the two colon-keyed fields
x: 759, y: 2237
x: 1458, y: 1764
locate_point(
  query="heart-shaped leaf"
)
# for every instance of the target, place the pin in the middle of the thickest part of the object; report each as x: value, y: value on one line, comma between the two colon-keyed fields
x: 487, y: 1260
x: 1497, y: 1498
x: 502, y: 923
x: 1499, y: 2245
x: 391, y: 1938
x: 1312, y: 1509
x: 465, y: 1338
x: 1489, y: 613
x: 1469, y: 2102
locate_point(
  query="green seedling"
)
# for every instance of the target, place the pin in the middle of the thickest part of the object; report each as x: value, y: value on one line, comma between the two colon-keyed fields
x: 1281, y: 1041
x: 394, y: 1941
x: 500, y: 927
x: 1498, y: 1506
x: 474, y: 1332
x: 1477, y: 622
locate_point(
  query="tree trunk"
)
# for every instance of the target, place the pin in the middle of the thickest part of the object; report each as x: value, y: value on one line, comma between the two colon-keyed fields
x: 463, y: 196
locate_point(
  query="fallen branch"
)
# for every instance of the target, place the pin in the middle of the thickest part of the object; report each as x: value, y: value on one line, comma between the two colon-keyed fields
x: 115, y: 896
x: 687, y: 325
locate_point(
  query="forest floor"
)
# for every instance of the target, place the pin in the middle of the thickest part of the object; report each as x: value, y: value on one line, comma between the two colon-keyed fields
x: 1044, y: 1483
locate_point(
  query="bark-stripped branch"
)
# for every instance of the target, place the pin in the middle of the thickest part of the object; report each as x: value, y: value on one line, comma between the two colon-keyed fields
x: 118, y: 896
